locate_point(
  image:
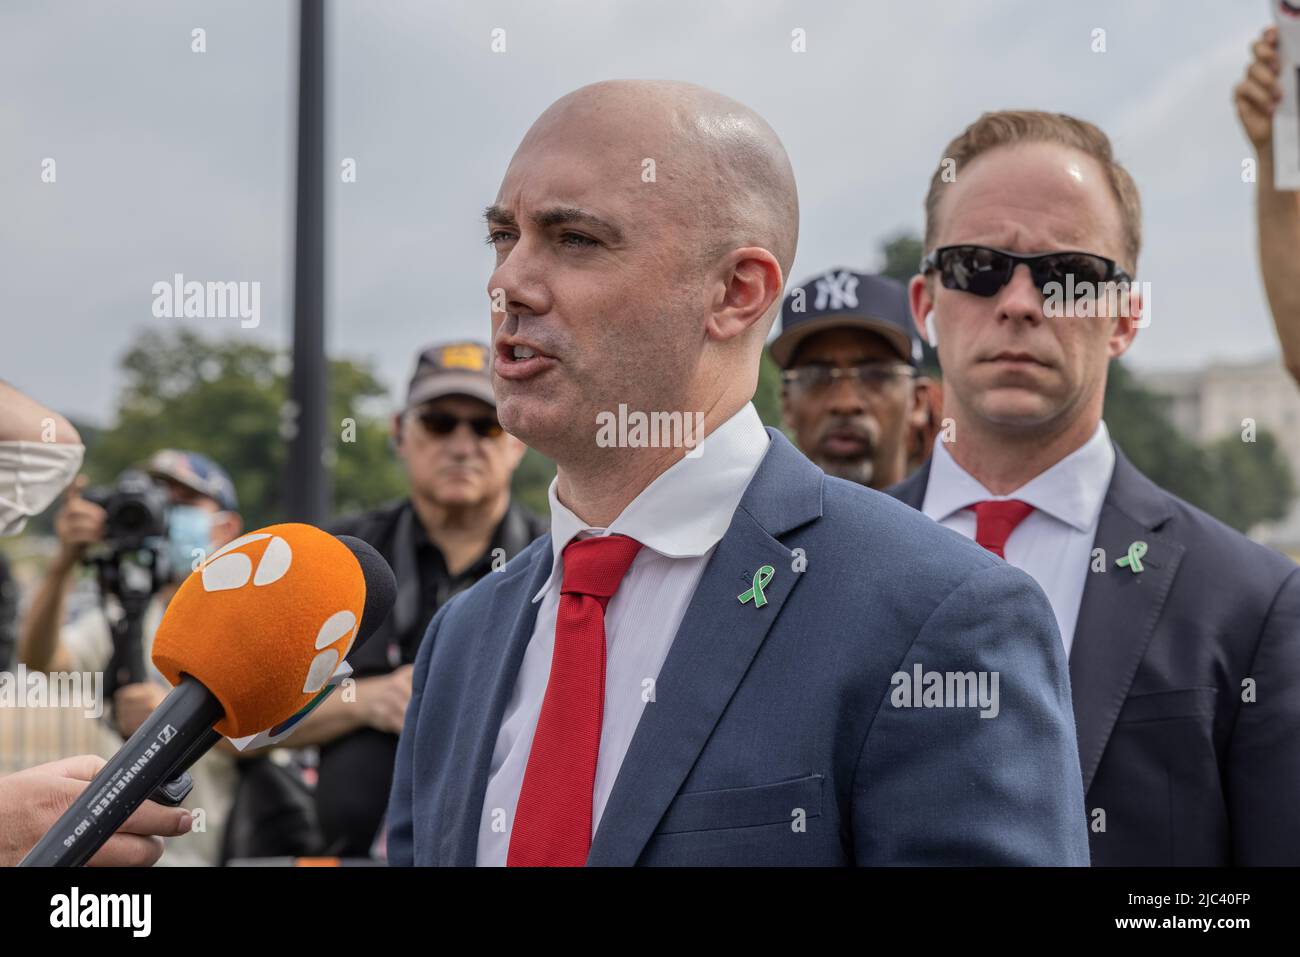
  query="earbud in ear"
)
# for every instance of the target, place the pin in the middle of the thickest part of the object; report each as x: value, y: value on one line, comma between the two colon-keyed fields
x: 931, y: 335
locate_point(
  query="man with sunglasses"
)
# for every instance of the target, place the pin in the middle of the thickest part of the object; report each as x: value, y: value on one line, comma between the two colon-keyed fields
x: 849, y: 387
x: 1181, y: 633
x: 458, y: 525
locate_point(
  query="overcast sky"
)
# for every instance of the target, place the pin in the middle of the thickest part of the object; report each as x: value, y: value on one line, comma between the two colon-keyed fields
x: 173, y: 161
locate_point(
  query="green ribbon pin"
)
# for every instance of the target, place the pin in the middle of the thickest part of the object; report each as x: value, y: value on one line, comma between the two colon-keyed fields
x: 1134, y: 557
x: 761, y: 578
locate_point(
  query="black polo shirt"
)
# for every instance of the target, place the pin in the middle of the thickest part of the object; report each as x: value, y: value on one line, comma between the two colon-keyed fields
x: 356, y: 770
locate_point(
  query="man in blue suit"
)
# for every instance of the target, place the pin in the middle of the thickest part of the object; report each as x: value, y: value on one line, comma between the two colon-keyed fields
x: 719, y: 655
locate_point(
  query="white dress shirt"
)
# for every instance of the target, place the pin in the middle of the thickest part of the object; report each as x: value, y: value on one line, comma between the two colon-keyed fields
x: 679, y: 518
x: 1054, y: 543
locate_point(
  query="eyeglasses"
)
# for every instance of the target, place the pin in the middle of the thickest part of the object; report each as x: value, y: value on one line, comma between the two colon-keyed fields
x: 874, y: 376
x: 982, y: 270
x: 444, y: 423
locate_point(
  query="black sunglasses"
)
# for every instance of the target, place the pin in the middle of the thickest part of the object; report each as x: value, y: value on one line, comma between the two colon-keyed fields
x: 982, y: 270
x: 444, y: 423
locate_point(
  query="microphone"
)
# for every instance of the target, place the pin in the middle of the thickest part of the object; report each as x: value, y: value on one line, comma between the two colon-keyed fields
x: 379, y: 602
x: 250, y: 641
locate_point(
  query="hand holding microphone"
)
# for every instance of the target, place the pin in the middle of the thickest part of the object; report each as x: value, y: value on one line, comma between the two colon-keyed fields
x: 250, y: 641
x: 30, y: 798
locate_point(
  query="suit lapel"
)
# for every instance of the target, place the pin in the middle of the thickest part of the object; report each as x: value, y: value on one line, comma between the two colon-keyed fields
x: 1119, y: 608
x: 911, y: 491
x: 500, y: 649
x: 718, y: 639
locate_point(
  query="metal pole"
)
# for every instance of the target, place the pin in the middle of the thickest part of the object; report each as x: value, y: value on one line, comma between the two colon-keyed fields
x: 307, y: 492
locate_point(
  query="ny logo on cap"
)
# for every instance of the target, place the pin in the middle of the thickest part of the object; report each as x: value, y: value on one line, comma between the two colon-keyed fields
x: 840, y: 288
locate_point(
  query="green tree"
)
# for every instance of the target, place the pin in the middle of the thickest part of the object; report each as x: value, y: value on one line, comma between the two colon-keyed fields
x: 225, y: 399
x: 767, y: 396
x: 1239, y: 483
x: 1253, y: 481
x: 902, y: 255
x: 531, y: 480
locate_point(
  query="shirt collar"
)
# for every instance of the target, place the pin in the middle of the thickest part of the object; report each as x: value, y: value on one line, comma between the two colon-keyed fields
x: 1071, y: 491
x: 687, y: 509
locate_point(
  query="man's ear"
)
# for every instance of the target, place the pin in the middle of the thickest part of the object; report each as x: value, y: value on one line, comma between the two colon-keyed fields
x: 1128, y: 321
x: 921, y: 302
x: 228, y: 527
x: 751, y: 282
x: 395, y: 434
x: 918, y: 416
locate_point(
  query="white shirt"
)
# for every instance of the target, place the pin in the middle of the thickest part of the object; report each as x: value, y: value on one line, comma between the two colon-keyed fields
x: 32, y: 474
x: 679, y: 518
x: 1054, y: 543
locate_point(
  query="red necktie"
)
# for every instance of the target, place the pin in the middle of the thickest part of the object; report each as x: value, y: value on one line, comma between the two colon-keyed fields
x: 995, y: 521
x: 552, y: 826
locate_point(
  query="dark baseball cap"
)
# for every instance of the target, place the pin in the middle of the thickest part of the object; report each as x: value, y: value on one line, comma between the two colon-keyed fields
x: 196, y: 472
x: 842, y: 297
x: 452, y: 368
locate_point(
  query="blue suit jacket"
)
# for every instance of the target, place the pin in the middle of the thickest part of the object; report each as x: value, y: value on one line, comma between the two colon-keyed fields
x: 774, y: 737
x: 1187, y: 768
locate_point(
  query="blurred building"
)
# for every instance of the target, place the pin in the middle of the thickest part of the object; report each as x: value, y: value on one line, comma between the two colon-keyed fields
x: 1212, y: 402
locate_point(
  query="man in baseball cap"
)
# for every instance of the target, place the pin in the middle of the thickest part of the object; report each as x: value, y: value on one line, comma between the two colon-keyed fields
x: 850, y: 391
x: 197, y: 473
x: 457, y: 525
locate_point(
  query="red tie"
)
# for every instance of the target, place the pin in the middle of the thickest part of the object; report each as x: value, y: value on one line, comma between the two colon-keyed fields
x: 552, y: 825
x: 995, y: 521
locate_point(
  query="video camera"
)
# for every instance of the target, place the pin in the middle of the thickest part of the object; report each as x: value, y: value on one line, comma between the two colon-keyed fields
x: 131, y: 564
x: 136, y: 511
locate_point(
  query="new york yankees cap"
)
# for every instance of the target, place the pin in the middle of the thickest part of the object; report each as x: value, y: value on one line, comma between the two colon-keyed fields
x: 843, y: 297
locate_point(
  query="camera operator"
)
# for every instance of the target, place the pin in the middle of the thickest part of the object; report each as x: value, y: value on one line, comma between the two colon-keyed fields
x: 201, y: 515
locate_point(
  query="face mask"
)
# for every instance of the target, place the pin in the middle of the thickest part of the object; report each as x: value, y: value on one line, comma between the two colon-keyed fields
x: 189, y: 538
x: 32, y: 474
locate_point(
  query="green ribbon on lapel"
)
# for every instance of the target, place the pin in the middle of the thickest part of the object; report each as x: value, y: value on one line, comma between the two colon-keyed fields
x: 1134, y: 557
x: 761, y: 578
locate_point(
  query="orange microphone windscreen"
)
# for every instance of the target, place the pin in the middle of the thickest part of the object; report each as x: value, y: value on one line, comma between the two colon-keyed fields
x: 264, y: 623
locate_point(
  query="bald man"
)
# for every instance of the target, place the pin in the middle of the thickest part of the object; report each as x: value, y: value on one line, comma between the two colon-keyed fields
x: 719, y: 655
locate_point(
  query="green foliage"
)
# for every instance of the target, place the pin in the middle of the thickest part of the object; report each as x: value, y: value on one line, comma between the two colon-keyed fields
x: 1239, y: 483
x: 902, y: 255
x: 767, y: 397
x: 224, y: 399
x: 531, y: 480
